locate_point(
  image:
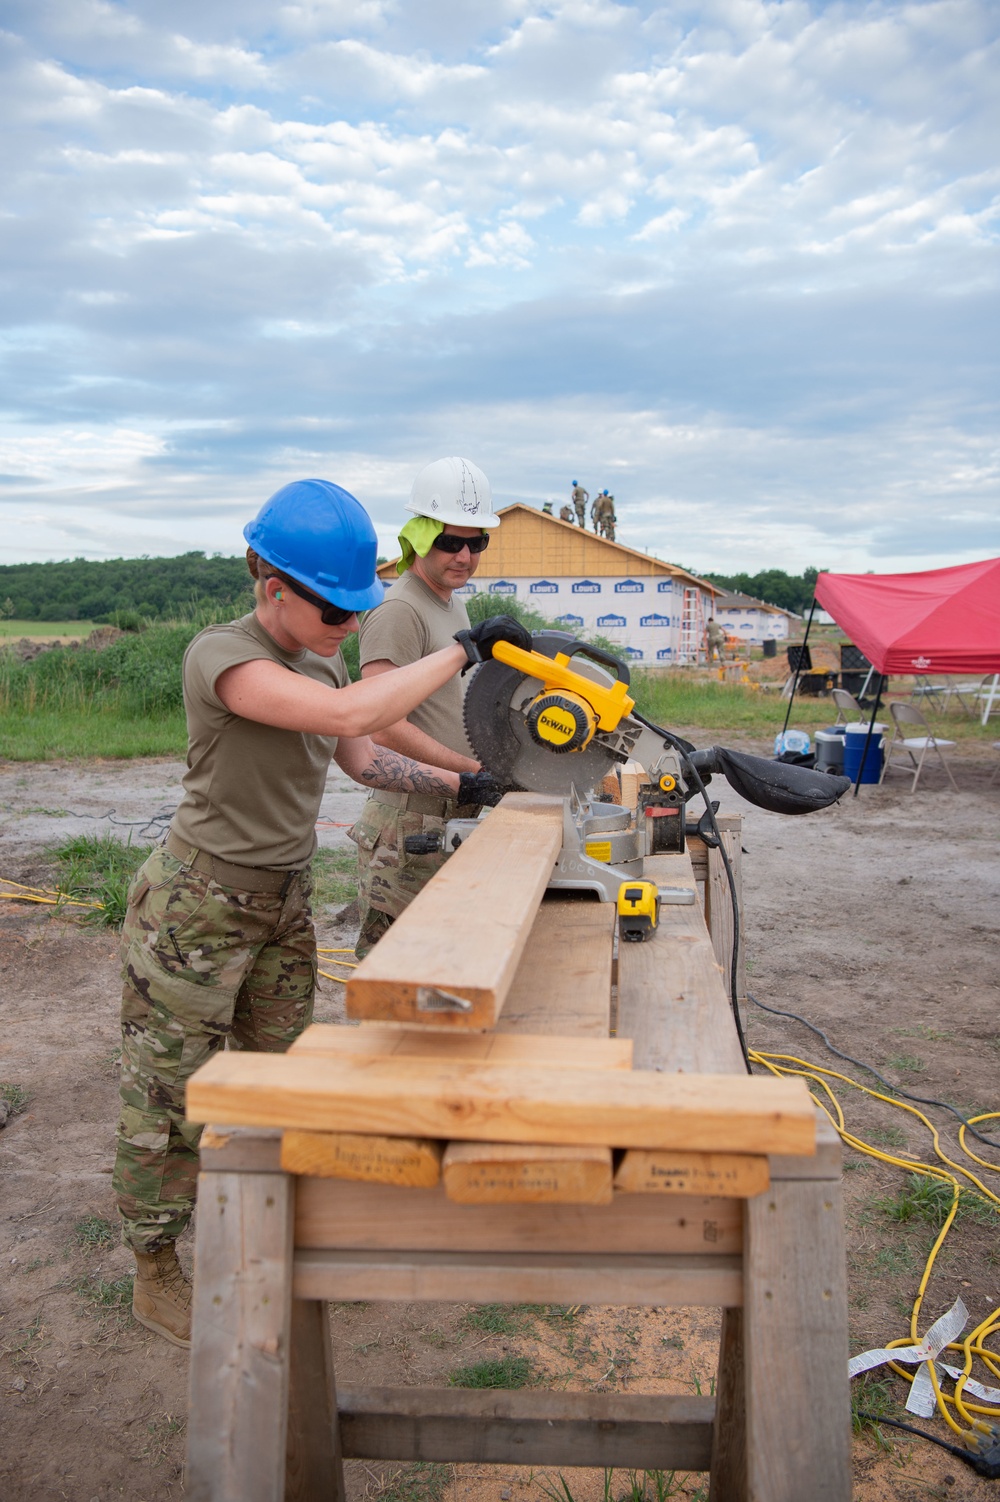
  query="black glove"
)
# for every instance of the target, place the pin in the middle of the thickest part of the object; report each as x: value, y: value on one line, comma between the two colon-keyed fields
x: 480, y: 640
x: 479, y: 787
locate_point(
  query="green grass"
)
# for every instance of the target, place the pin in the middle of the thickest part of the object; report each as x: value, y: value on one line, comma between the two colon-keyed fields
x: 501, y: 1371
x: 14, y: 630
x: 640, y: 1486
x: 887, y: 1136
x: 93, y: 1233
x: 106, y: 1296
x: 920, y: 1199
x: 15, y: 1095
x: 421, y: 1482
x: 98, y: 868
x: 497, y: 1319
x: 335, y: 876
x: 96, y: 730
x: 871, y: 1399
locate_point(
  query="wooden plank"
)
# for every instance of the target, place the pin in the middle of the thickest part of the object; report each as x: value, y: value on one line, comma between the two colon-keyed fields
x: 463, y: 935
x: 633, y: 776
x: 826, y: 1162
x: 563, y: 983
x: 502, y: 1103
x: 238, y: 1409
x: 240, y: 1149
x: 795, y: 1328
x: 518, y: 1278
x: 491, y: 1173
x: 671, y: 998
x: 338, y: 1214
x: 728, y: 1478
x: 737, y: 1174
x: 719, y: 905
x: 415, y: 1161
x: 313, y: 1467
x: 662, y: 1432
x: 396, y: 1040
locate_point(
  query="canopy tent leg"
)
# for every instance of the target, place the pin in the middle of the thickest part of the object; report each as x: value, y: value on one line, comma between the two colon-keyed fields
x: 798, y: 670
x: 868, y: 738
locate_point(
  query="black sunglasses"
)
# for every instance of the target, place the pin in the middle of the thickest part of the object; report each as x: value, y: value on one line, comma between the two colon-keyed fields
x: 448, y: 542
x: 330, y: 615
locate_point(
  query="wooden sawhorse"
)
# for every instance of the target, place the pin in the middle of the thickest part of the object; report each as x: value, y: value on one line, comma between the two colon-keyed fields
x: 266, y: 1421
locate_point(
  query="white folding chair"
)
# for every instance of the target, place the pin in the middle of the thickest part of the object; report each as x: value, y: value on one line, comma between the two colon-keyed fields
x: 903, y: 715
x: 988, y: 694
x: 846, y: 704
x: 931, y: 693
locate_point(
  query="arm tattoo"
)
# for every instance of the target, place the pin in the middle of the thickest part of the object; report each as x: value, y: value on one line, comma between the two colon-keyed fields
x: 389, y: 769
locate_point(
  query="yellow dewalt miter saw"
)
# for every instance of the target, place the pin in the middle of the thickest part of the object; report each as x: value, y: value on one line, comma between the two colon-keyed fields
x: 557, y: 719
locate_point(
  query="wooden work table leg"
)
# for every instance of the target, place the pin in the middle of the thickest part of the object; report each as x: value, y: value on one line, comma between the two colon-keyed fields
x: 314, y: 1465
x: 238, y: 1415
x: 728, y: 1476
x: 795, y: 1326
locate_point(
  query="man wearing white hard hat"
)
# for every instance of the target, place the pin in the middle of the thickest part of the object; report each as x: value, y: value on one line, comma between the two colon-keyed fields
x: 452, y: 507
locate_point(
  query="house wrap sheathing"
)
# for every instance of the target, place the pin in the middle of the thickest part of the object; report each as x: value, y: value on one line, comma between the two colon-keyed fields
x: 654, y: 610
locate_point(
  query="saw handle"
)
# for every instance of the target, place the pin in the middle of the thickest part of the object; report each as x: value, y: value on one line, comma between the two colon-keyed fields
x: 598, y: 655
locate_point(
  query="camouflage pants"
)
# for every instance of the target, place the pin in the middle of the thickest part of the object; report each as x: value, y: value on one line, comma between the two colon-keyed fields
x: 202, y: 963
x: 389, y: 878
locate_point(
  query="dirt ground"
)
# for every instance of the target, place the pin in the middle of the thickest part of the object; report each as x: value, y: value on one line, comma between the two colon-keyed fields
x: 877, y: 920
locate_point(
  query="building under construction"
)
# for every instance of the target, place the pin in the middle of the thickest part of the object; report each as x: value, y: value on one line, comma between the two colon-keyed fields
x: 654, y: 610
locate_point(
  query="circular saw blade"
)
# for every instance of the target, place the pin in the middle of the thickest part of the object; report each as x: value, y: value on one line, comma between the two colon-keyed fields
x: 494, y: 722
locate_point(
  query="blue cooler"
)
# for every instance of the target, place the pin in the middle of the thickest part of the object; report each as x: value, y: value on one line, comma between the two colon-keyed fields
x: 854, y: 752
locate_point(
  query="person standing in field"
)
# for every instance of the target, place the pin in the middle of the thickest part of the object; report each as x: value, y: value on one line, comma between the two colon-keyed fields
x: 440, y: 545
x: 218, y: 944
x: 715, y: 639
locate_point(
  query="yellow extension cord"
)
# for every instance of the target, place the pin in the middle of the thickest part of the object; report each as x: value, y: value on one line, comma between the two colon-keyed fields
x: 972, y: 1346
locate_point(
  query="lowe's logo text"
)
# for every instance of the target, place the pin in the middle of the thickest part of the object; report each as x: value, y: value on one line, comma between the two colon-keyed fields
x: 611, y: 620
x: 586, y: 587
x: 654, y: 620
x: 629, y: 587
x: 665, y: 586
x: 543, y: 587
x: 569, y: 620
x: 466, y: 589
x: 633, y: 653
x: 664, y: 652
x: 503, y: 587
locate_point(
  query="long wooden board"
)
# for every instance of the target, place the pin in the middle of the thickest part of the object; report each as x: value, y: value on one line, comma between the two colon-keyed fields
x: 672, y: 999
x: 563, y: 983
x: 450, y: 957
x: 503, y: 1103
x: 369, y: 1159
x: 739, y: 1175
x: 397, y: 1040
x: 337, y: 1214
x: 499, y: 1173
x: 661, y: 1432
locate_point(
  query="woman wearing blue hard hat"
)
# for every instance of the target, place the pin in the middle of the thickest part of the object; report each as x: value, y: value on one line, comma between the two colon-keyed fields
x: 219, y: 943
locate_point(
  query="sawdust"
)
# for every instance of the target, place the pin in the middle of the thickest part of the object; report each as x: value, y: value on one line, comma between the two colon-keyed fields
x: 877, y: 920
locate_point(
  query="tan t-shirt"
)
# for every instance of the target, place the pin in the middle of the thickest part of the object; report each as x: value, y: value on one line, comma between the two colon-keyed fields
x: 251, y: 792
x: 411, y: 623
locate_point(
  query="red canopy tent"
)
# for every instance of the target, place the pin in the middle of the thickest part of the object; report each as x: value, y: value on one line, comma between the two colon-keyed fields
x: 946, y: 620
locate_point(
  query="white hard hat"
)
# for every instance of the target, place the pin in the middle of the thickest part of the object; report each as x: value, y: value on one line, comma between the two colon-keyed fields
x: 454, y: 491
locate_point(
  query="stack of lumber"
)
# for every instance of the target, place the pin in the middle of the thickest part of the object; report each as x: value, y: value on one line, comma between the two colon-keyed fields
x: 543, y: 1107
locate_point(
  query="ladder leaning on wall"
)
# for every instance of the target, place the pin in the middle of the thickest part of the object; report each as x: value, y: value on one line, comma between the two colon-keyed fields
x: 692, y: 627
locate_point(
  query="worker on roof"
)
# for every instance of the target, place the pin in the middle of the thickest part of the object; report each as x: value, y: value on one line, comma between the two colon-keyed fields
x: 441, y: 544
x: 218, y: 943
x: 565, y: 514
x: 580, y: 497
x: 602, y: 514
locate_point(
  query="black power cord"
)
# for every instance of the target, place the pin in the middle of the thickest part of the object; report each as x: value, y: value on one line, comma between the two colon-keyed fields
x: 984, y: 1463
x: 683, y: 749
x: 922, y: 1100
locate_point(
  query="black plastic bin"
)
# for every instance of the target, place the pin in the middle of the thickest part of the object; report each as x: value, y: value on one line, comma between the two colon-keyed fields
x: 770, y: 647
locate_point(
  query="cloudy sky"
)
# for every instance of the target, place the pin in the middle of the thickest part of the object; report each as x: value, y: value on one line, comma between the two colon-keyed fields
x: 736, y: 261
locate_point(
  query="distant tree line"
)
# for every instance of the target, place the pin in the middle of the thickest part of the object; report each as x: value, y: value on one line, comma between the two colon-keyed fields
x: 773, y: 586
x: 156, y: 589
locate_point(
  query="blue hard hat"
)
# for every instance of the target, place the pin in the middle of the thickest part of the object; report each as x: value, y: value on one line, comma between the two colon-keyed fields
x: 318, y: 533
x: 574, y: 482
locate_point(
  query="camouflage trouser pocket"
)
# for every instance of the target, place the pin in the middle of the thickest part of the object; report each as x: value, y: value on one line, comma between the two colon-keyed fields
x: 389, y: 877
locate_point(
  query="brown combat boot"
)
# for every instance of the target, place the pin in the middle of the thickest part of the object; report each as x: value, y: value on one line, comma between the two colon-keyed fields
x: 161, y: 1296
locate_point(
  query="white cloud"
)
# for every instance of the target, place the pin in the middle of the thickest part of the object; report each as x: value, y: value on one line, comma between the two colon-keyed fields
x: 776, y: 224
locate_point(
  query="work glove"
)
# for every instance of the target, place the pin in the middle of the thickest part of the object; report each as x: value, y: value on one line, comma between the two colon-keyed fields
x: 480, y: 640
x: 479, y: 787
